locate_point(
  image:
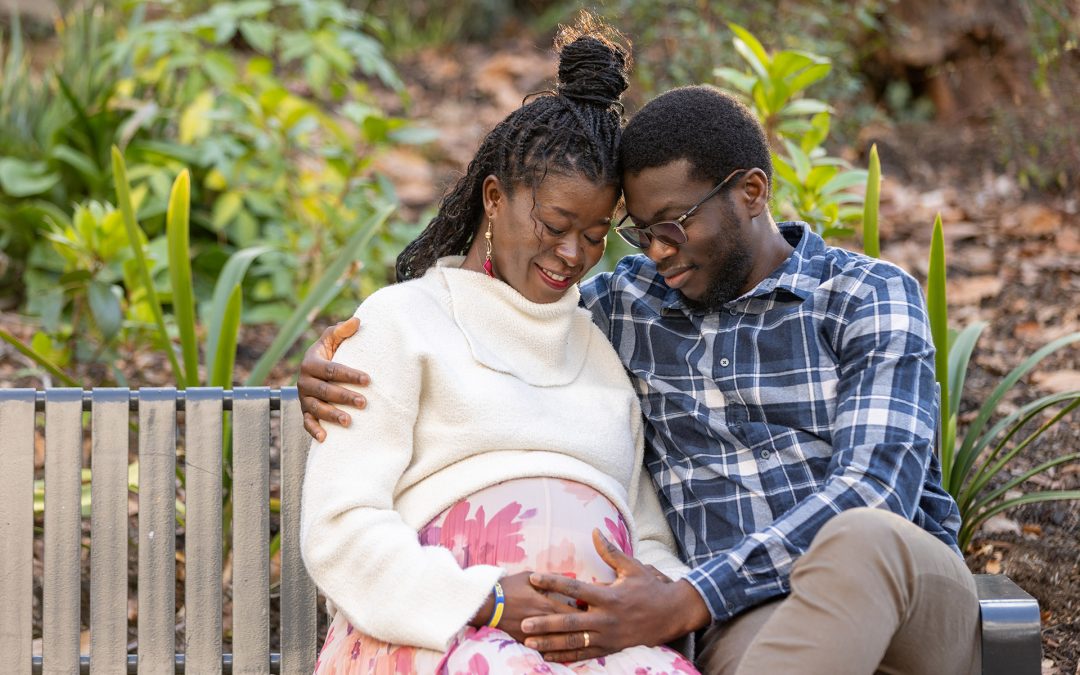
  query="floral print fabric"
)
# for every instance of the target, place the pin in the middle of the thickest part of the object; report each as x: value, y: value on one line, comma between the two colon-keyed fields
x: 541, y: 524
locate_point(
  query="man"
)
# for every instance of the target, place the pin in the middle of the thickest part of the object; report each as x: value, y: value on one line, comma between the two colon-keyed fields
x: 786, y: 385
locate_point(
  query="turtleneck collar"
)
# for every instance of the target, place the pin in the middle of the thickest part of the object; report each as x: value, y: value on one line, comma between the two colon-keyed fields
x: 543, y: 344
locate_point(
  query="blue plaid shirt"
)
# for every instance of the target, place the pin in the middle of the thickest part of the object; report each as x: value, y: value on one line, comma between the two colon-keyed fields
x: 810, y: 394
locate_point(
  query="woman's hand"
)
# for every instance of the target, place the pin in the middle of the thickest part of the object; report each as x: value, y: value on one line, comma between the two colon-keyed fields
x: 521, y: 601
x: 317, y: 375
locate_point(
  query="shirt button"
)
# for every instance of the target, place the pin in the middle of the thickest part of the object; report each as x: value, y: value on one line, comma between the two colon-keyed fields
x: 733, y: 311
x: 725, y: 363
x: 764, y: 454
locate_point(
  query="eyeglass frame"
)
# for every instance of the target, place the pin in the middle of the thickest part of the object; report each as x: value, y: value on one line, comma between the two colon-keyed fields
x: 620, y: 229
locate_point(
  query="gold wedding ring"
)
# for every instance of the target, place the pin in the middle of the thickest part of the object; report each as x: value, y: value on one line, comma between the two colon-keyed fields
x: 586, y: 636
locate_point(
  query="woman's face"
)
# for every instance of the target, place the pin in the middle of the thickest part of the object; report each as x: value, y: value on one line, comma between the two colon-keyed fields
x: 545, y: 240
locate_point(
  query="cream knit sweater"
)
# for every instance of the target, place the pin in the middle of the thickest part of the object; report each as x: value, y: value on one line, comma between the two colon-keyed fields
x: 471, y: 385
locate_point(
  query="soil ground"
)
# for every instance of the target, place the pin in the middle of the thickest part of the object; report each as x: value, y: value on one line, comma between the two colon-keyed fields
x: 1013, y: 261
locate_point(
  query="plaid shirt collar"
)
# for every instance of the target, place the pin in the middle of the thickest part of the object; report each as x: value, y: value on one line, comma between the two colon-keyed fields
x: 799, y: 275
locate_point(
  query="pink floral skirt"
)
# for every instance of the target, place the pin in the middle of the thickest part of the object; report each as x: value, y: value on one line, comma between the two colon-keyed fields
x: 540, y: 524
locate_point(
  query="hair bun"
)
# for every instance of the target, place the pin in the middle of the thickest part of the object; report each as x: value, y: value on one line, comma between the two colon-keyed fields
x: 593, y: 67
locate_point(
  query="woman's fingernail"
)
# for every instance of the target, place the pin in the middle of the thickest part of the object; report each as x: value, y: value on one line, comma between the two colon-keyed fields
x: 359, y: 402
x: 531, y: 644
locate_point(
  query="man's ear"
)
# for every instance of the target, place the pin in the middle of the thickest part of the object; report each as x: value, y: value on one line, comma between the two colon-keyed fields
x: 493, y: 194
x: 756, y: 192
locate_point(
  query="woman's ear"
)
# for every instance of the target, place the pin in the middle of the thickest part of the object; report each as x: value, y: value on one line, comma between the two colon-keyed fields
x: 493, y: 193
x: 756, y: 191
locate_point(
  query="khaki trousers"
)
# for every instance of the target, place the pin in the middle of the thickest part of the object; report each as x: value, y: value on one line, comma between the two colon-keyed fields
x: 875, y: 593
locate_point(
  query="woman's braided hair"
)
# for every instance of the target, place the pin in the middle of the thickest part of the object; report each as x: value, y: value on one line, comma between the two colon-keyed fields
x: 574, y: 130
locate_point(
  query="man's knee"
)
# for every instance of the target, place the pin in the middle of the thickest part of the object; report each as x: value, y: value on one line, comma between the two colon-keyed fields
x: 862, y: 533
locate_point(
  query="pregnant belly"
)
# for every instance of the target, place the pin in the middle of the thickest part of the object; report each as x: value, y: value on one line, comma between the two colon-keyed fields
x: 537, y: 524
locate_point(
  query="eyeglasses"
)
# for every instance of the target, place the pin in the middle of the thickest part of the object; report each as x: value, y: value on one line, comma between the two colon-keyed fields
x: 669, y: 232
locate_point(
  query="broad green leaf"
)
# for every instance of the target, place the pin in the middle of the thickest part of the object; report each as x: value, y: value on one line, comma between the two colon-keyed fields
x: 259, y: 34
x: 787, y: 62
x: 799, y: 161
x: 136, y: 238
x: 225, y: 209
x: 320, y: 294
x: 177, y: 231
x: 750, y: 48
x: 939, y: 329
x: 960, y: 350
x: 806, y: 106
x: 232, y: 275
x: 844, y: 180
x: 195, y: 120
x: 105, y: 307
x: 225, y: 344
x: 414, y: 135
x: 79, y: 161
x: 871, y: 203
x: 736, y: 78
x: 808, y: 77
x: 19, y: 178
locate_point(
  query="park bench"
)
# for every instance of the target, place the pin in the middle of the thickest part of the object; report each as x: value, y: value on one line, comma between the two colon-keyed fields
x: 1010, y: 617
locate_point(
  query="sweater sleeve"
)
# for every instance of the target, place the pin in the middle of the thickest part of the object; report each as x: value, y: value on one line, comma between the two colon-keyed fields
x: 359, y: 551
x: 656, y: 543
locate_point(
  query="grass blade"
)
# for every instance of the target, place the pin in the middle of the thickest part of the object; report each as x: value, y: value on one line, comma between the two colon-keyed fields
x: 225, y: 358
x: 183, y: 297
x: 135, y: 236
x: 29, y: 353
x: 232, y: 275
x: 316, y: 299
x: 939, y: 329
x: 871, y: 203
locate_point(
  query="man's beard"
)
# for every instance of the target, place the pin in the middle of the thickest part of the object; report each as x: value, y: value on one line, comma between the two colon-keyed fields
x: 729, y: 280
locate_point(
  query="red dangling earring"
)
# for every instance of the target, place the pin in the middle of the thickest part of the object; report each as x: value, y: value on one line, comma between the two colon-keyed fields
x: 487, y: 258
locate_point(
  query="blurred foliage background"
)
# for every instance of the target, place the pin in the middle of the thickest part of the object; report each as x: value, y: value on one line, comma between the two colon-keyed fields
x: 282, y: 109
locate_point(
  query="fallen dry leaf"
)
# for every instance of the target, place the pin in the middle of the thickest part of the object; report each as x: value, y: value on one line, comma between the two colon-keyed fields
x: 1034, y: 220
x: 412, y: 175
x: 972, y: 290
x: 1058, y: 381
x: 1032, y: 528
x: 993, y: 567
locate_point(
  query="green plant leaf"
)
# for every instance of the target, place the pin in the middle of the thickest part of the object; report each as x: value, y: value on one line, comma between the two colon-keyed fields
x: 320, y: 294
x: 811, y: 75
x: 960, y: 350
x: 105, y: 307
x: 939, y: 330
x: 177, y: 231
x: 871, y: 203
x: 136, y: 237
x: 736, y: 78
x: 969, y: 528
x: 19, y: 178
x: 750, y: 49
x: 38, y: 359
x: 806, y: 106
x: 232, y: 275
x: 974, y: 439
x: 225, y: 345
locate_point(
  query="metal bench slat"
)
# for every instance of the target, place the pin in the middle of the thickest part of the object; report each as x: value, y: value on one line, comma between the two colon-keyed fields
x: 61, y: 595
x: 251, y: 530
x: 202, y: 533
x: 109, y: 530
x: 157, y: 531
x: 17, y: 527
x: 299, y: 598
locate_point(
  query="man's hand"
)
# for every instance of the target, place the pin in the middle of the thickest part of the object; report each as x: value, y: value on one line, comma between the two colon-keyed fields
x: 318, y: 372
x: 641, y: 607
x: 522, y: 601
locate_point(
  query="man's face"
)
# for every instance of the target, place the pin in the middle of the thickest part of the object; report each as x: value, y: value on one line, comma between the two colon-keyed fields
x: 714, y: 264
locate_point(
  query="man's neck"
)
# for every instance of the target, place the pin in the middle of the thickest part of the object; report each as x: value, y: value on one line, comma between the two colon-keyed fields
x: 772, y: 251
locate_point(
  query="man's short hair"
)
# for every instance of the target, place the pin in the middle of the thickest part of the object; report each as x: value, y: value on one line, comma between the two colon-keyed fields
x: 713, y: 130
